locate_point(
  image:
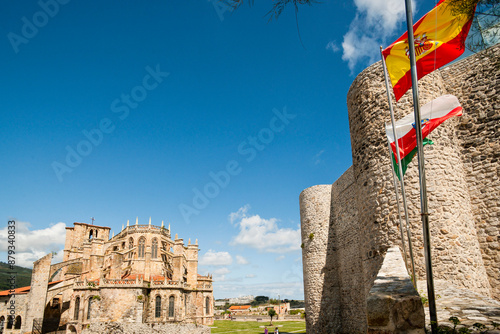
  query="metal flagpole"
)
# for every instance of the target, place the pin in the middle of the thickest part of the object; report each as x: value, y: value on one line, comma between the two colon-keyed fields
x: 399, y: 209
x: 421, y: 172
x: 398, y: 157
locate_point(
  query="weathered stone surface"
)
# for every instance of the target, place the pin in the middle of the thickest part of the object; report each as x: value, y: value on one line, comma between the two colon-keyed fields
x: 463, y: 179
x: 393, y: 305
x: 38, y: 293
x: 140, y: 276
x: 134, y: 328
x: 468, y: 306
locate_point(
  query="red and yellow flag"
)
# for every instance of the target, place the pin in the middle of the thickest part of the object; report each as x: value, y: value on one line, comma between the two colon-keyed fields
x: 439, y: 38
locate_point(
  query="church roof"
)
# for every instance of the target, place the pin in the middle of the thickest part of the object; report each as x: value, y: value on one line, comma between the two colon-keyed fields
x: 23, y: 290
x: 239, y: 307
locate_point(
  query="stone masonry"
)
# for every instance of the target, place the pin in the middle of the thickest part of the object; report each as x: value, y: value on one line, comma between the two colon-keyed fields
x: 133, y: 328
x: 393, y: 305
x: 137, y: 280
x: 38, y: 291
x: 347, y: 227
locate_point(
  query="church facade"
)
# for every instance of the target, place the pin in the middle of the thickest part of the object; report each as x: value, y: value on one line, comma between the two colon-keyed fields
x: 141, y: 275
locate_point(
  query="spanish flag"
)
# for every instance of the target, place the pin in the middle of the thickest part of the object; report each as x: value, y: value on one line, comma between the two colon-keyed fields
x: 439, y: 38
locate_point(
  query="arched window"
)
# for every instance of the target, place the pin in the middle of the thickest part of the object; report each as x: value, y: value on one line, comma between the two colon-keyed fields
x: 158, y: 307
x: 91, y: 234
x: 10, y: 321
x: 17, y: 324
x: 171, y: 306
x: 96, y: 233
x: 130, y: 246
x: 89, y: 308
x: 154, y: 249
x: 77, y: 308
x: 207, y: 306
x: 142, y: 243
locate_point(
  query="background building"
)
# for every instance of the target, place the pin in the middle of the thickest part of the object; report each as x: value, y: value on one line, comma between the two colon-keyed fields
x: 140, y: 275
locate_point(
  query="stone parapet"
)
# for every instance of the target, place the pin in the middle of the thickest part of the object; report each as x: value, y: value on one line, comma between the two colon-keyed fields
x: 142, y: 228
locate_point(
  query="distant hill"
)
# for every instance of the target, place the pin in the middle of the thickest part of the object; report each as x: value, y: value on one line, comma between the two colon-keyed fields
x: 23, y: 276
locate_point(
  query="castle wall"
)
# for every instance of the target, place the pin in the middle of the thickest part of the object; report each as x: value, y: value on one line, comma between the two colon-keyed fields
x: 342, y: 260
x: 478, y: 80
x: 333, y: 272
x: 345, y: 240
x: 455, y: 247
x: 322, y: 304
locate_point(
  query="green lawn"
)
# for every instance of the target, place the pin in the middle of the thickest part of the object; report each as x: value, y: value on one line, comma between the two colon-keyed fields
x: 254, y: 327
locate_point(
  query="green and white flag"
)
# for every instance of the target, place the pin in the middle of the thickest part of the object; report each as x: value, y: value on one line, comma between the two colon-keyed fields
x: 407, y: 159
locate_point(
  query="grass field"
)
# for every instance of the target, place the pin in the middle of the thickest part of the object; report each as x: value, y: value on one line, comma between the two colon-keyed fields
x: 254, y: 327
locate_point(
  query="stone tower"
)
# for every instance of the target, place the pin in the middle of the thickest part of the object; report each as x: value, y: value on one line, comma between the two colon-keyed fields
x: 348, y: 226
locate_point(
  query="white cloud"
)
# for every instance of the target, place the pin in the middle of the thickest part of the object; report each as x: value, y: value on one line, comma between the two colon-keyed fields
x: 242, y: 212
x: 219, y: 274
x: 241, y: 260
x: 221, y: 271
x: 332, y: 45
x: 375, y: 21
x: 212, y: 258
x: 264, y: 235
x: 250, y: 276
x: 34, y: 244
x: 279, y: 258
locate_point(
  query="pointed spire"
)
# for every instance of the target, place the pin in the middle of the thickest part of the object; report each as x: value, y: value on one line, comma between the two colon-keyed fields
x: 123, y: 227
x: 189, y: 241
x: 149, y: 220
x: 128, y: 223
x: 176, y: 237
x: 196, y: 242
x: 169, y: 226
x: 137, y: 221
x: 162, y: 223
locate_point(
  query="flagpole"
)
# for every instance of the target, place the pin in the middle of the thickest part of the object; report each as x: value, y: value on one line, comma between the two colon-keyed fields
x: 421, y: 172
x: 399, y: 213
x: 401, y: 178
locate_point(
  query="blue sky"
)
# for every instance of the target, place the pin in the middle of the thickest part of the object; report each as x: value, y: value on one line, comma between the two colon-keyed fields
x: 125, y: 109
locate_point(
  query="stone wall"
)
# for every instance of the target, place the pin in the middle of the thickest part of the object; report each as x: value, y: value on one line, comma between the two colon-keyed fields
x: 6, y: 309
x: 333, y: 274
x: 477, y: 79
x: 133, y: 328
x: 322, y: 304
x: 38, y: 292
x: 353, y: 235
x: 393, y: 305
x: 345, y: 239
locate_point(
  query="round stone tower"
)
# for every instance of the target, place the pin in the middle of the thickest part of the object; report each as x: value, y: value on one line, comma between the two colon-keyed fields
x: 455, y: 248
